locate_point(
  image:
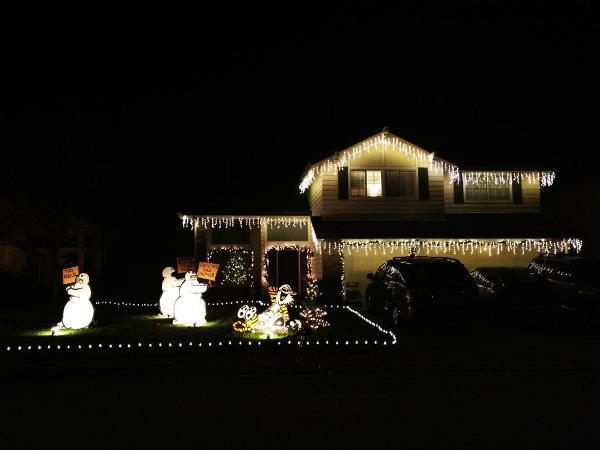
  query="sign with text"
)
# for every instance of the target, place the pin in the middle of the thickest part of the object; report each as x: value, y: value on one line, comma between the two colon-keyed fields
x: 70, y: 274
x: 208, y: 271
x: 186, y: 264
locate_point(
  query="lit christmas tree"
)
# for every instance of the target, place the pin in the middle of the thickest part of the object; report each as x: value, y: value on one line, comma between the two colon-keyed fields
x: 234, y: 273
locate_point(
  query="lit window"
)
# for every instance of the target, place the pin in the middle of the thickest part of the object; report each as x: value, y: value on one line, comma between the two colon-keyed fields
x: 374, y: 183
x: 365, y: 183
x: 487, y: 189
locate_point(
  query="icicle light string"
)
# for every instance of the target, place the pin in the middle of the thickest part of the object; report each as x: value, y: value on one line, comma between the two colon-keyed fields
x: 343, y: 158
x: 436, y: 165
x: 206, y: 222
x: 507, y: 178
x: 453, y: 247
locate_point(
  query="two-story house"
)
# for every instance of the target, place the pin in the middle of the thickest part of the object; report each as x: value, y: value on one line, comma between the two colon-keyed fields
x: 387, y: 197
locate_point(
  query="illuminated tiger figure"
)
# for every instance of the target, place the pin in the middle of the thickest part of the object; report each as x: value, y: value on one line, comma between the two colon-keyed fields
x: 284, y: 298
x: 248, y: 319
x: 277, y: 315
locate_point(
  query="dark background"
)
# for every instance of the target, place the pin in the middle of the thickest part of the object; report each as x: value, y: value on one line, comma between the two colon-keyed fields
x: 130, y: 118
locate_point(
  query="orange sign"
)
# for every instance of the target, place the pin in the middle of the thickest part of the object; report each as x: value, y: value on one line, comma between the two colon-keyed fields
x: 186, y: 264
x: 70, y: 275
x: 208, y: 271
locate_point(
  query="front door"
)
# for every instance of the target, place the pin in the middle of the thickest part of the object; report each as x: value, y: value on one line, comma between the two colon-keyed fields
x: 288, y: 266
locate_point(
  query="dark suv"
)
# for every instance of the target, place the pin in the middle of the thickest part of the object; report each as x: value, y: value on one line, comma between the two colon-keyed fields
x: 576, y: 281
x: 411, y: 287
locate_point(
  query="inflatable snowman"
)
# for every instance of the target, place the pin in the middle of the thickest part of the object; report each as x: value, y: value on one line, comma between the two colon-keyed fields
x: 189, y: 308
x: 79, y: 311
x: 170, y: 287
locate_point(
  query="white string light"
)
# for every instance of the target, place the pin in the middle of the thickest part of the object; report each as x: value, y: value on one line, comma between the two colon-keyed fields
x: 309, y: 256
x: 454, y: 247
x: 343, y: 158
x: 154, y: 305
x: 503, y: 179
x: 229, y: 249
x: 161, y: 345
x: 436, y: 165
x: 206, y: 222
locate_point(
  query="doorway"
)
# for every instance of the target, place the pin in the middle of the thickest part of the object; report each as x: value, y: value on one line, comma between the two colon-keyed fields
x: 288, y: 266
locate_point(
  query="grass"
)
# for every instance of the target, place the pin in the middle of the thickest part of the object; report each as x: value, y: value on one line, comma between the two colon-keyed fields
x: 122, y: 325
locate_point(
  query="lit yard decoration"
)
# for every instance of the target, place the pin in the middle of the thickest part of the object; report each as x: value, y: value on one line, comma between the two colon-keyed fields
x: 453, y: 247
x: 239, y: 268
x: 79, y: 311
x: 234, y: 272
x: 186, y: 264
x: 247, y: 319
x: 170, y: 287
x: 190, y: 308
x: 273, y: 320
x: 314, y: 318
x: 207, y: 271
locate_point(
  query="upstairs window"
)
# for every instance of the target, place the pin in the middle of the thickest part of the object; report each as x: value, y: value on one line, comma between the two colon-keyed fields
x: 365, y: 183
x: 377, y: 183
x: 400, y: 183
x: 487, y: 189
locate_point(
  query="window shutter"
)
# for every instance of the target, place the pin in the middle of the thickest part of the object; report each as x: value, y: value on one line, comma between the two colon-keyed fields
x: 517, y: 189
x: 343, y: 183
x: 459, y: 193
x: 423, y: 183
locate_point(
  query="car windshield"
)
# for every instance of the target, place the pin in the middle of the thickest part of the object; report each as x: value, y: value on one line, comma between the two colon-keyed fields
x: 586, y: 272
x: 436, y: 274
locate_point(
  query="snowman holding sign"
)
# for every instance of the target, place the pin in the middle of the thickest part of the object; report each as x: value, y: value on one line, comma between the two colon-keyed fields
x: 170, y: 287
x: 190, y: 308
x: 79, y: 311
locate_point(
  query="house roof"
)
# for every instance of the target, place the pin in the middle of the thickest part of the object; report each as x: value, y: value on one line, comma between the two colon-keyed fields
x: 459, y: 226
x: 244, y: 213
x: 341, y: 158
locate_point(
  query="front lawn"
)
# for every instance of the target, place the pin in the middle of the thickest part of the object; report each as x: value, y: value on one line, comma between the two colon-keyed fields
x: 134, y: 325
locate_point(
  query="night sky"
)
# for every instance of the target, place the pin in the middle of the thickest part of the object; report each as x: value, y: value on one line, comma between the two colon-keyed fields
x: 223, y: 109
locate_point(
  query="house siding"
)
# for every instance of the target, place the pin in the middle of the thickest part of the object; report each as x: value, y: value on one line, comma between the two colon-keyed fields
x: 329, y: 205
x: 315, y: 196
